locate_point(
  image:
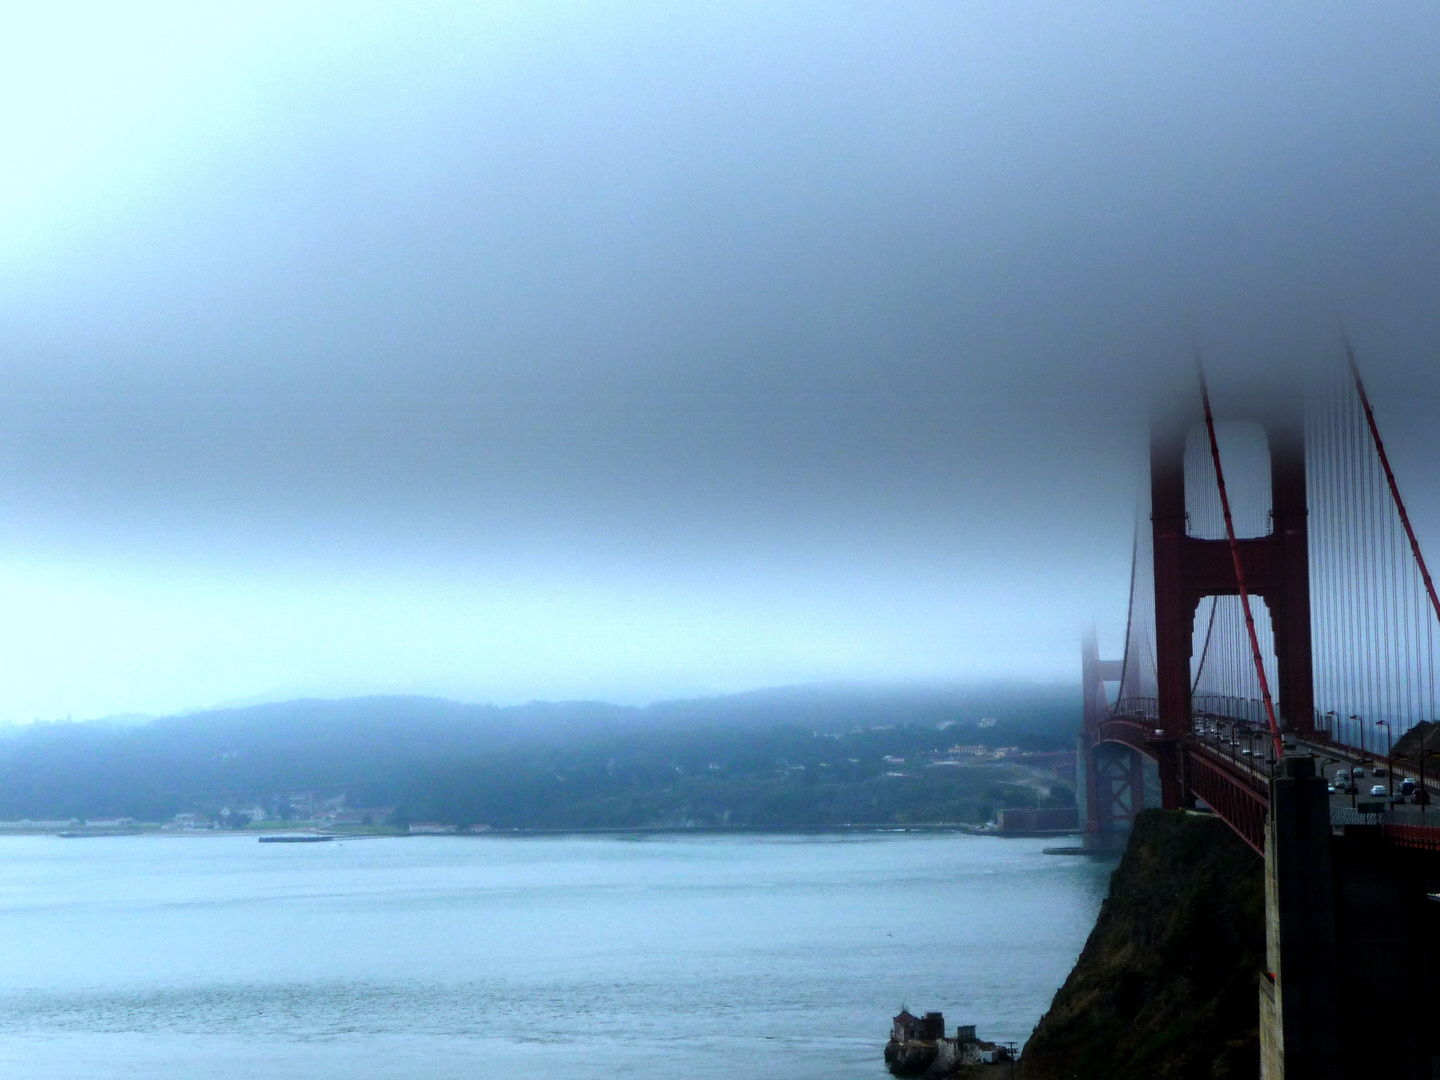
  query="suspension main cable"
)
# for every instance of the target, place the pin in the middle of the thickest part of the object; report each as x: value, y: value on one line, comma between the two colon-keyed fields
x: 1239, y: 569
x: 1390, y: 476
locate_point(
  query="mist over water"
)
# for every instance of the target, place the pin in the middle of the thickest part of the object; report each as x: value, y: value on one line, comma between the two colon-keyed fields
x: 529, y: 350
x: 149, y: 958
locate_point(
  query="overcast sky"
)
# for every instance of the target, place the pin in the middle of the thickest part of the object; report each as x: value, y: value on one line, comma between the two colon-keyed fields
x: 517, y: 350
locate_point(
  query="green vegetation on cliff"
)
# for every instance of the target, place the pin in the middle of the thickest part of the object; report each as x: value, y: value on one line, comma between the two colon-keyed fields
x: 1166, y: 986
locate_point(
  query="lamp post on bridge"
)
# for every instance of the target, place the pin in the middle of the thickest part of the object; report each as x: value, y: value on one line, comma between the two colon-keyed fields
x: 1422, y: 795
x: 1257, y: 735
x: 1320, y: 767
x: 1354, y: 787
x: 1389, y: 761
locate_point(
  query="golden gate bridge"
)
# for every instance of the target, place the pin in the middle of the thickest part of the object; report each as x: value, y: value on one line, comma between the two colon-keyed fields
x: 1280, y: 672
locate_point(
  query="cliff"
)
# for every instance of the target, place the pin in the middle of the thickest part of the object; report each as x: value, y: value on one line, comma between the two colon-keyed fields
x: 1165, y: 987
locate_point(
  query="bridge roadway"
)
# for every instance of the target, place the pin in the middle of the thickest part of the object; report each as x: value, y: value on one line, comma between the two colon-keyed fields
x: 1228, y: 764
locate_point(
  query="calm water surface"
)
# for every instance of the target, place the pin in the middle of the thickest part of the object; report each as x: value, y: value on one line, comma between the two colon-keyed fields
x: 734, y: 956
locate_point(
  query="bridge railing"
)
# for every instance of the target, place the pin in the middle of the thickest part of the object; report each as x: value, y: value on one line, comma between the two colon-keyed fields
x: 1423, y: 837
x: 1237, y: 796
x: 1138, y: 706
x: 1246, y: 710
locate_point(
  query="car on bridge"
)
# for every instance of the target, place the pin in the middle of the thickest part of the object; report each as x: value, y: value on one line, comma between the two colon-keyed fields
x: 1377, y: 789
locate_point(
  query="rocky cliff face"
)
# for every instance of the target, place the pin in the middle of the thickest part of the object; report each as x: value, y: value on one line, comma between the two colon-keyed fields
x: 909, y: 1058
x: 1166, y: 985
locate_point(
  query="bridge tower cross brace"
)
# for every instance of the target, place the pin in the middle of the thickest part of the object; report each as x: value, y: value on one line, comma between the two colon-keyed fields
x: 1188, y: 569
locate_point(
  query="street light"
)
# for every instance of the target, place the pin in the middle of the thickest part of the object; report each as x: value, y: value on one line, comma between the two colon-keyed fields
x: 1389, y: 761
x: 1320, y: 765
x: 1360, y: 725
x: 1334, y: 734
x: 1422, y: 795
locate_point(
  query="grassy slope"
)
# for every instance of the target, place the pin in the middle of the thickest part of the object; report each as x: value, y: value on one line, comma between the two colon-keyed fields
x: 1166, y: 985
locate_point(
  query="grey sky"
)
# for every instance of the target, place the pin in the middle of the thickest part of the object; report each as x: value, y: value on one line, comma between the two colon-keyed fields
x: 522, y: 350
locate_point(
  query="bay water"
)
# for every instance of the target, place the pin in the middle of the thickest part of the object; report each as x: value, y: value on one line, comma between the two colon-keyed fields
x: 756, y: 956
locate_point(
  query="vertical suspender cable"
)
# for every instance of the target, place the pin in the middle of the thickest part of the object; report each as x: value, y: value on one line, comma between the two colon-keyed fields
x: 1367, y: 539
x: 1321, y: 540
x: 1205, y: 651
x: 1129, y: 614
x: 1319, y: 598
x: 1338, y: 677
x: 1352, y: 608
x: 1387, y: 608
x: 1352, y: 552
x: 1419, y: 556
x: 1340, y: 606
x: 1331, y: 564
x: 1350, y: 584
x: 1413, y: 614
x: 1430, y: 666
x: 1239, y: 569
x: 1390, y: 478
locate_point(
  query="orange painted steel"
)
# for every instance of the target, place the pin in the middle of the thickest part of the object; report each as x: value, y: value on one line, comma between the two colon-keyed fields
x: 1423, y: 837
x: 1390, y: 478
x: 1234, y: 794
x: 1239, y: 569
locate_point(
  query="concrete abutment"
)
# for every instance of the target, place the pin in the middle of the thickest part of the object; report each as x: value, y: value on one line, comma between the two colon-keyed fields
x: 1351, y: 944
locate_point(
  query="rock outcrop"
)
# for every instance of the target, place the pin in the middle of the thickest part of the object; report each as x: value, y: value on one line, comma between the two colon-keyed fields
x: 1165, y: 987
x: 912, y: 1058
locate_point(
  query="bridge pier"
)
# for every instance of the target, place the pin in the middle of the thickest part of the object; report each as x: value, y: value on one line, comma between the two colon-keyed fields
x: 1387, y: 954
x: 1299, y: 1010
x: 1174, y: 793
x: 1116, y: 783
x: 1352, y: 944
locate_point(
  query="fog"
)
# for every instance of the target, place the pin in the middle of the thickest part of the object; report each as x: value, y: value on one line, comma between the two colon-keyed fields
x: 628, y: 351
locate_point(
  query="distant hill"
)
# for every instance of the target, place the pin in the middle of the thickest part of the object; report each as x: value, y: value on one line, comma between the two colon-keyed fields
x: 538, y: 764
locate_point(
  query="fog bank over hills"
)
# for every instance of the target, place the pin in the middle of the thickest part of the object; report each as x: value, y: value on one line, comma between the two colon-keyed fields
x: 455, y: 760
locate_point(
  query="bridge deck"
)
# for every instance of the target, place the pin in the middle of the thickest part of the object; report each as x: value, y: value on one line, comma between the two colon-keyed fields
x: 1222, y: 772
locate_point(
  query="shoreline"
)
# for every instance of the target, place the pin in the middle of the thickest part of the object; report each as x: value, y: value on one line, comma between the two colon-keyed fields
x: 635, y: 830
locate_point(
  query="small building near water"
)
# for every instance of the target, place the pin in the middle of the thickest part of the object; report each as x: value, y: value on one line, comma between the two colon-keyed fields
x: 909, y: 1028
x: 918, y: 1046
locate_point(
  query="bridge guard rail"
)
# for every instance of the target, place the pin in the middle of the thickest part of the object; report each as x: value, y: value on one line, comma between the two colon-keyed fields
x: 1233, y: 797
x: 1424, y: 837
x: 1138, y: 734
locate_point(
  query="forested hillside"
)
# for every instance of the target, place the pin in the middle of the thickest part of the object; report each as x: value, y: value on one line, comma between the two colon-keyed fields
x: 794, y: 756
